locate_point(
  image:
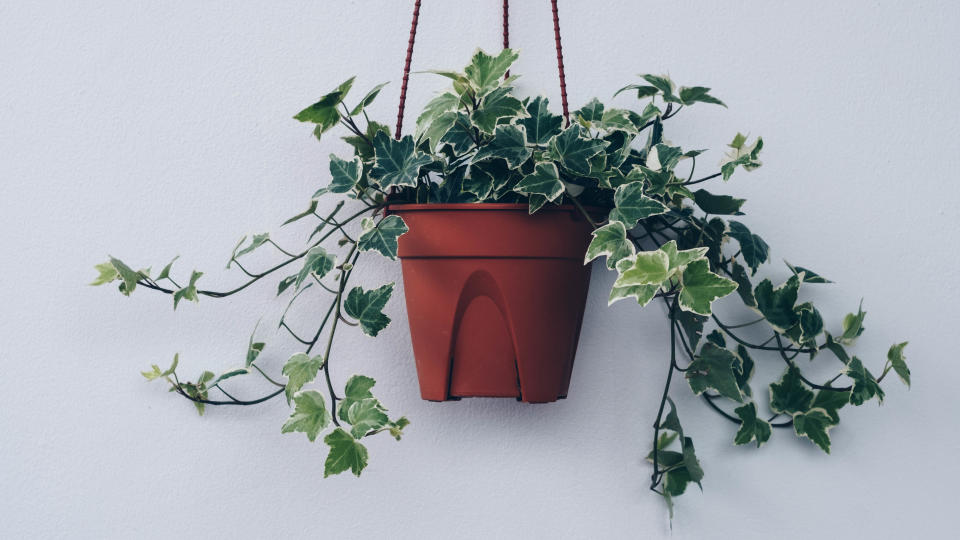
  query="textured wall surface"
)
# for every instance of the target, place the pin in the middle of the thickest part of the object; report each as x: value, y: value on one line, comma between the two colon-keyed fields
x: 151, y: 129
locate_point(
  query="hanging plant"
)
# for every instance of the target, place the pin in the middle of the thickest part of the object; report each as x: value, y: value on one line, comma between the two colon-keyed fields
x: 609, y: 180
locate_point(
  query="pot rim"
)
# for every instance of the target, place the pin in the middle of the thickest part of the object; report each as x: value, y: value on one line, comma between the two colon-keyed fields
x: 422, y: 207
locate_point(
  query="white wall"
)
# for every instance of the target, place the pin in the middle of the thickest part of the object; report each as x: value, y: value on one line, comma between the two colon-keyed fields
x: 147, y: 130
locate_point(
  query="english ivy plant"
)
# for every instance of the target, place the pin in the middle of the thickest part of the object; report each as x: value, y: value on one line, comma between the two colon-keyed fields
x: 668, y: 240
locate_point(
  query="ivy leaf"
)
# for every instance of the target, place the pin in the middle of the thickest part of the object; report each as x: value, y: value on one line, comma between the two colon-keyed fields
x: 852, y: 326
x: 345, y: 173
x: 108, y: 273
x: 439, y: 128
x: 382, y: 237
x: 460, y: 135
x: 487, y: 178
x: 317, y: 262
x: 128, y: 275
x: 508, y: 143
x: 679, y: 259
x: 358, y: 387
x: 305, y: 213
x: 643, y: 268
x: 715, y: 368
x: 366, y: 307
x: 545, y: 180
x: 695, y: 94
x: 809, y: 276
x: 575, y: 151
x: 156, y: 373
x: 751, y: 427
x: 310, y: 415
x: 789, y: 395
x: 643, y: 91
x: 590, y: 113
x: 831, y: 401
x: 165, y: 273
x: 324, y: 113
x: 752, y: 247
x: 899, y: 364
x: 367, y: 99
x: 744, y: 287
x: 664, y: 85
x: 535, y: 202
x: 345, y: 453
x: 741, y: 155
x: 692, y: 325
x: 814, y: 424
x: 300, y: 369
x: 434, y: 109
x: 485, y: 71
x: 396, y: 428
x: 541, y: 125
x: 723, y: 205
x: 610, y: 241
x: 189, y: 292
x: 364, y: 416
x: 496, y: 105
x: 255, y: 242
x: 632, y: 205
x: 811, y: 323
x: 642, y: 293
x: 836, y: 348
x: 746, y: 371
x: 701, y: 287
x: 397, y: 163
x: 865, y: 386
x: 777, y: 304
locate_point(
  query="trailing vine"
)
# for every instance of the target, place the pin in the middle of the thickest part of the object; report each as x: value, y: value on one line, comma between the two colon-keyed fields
x: 665, y: 236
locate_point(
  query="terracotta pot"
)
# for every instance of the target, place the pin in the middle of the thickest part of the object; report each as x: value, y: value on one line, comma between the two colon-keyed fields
x: 495, y: 298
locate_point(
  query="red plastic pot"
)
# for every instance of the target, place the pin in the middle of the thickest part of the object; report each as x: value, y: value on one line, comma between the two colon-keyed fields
x: 495, y: 298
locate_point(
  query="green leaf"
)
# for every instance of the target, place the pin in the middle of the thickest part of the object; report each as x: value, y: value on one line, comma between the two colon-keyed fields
x: 128, y: 275
x: 852, y: 326
x: 364, y: 416
x: 898, y: 362
x: 255, y: 242
x: 746, y: 371
x: 358, y: 387
x: 809, y: 276
x: 865, y: 385
x: 723, y: 205
x: 508, y: 143
x: 575, y: 151
x: 610, y: 241
x: 397, y: 163
x: 345, y: 453
x: 367, y: 99
x: 664, y: 85
x: 642, y: 293
x: 741, y: 155
x: 165, y: 273
x: 695, y: 94
x: 345, y: 173
x: 305, y: 213
x: 643, y: 91
x: 189, y: 292
x: 155, y: 372
x: 590, y: 113
x: 751, y: 427
x: 366, y: 307
x: 324, y: 113
x: 811, y: 323
x: 460, y: 135
x: 435, y: 133
x: 814, y: 424
x: 496, y: 105
x: 744, y: 287
x: 752, y: 247
x: 545, y: 180
x: 643, y: 268
x: 701, y: 287
x: 715, y: 368
x: 777, y: 304
x: 831, y: 401
x: 382, y: 237
x: 317, y: 262
x: 300, y: 369
x: 692, y: 325
x: 541, y: 125
x: 434, y: 109
x: 789, y: 395
x: 485, y: 71
x: 633, y: 205
x: 679, y: 259
x: 108, y: 273
x: 396, y: 428
x: 310, y: 415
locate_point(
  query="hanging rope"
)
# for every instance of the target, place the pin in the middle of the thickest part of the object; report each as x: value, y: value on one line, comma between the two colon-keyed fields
x: 406, y: 67
x: 506, y: 45
x: 506, y: 31
x: 563, y: 79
